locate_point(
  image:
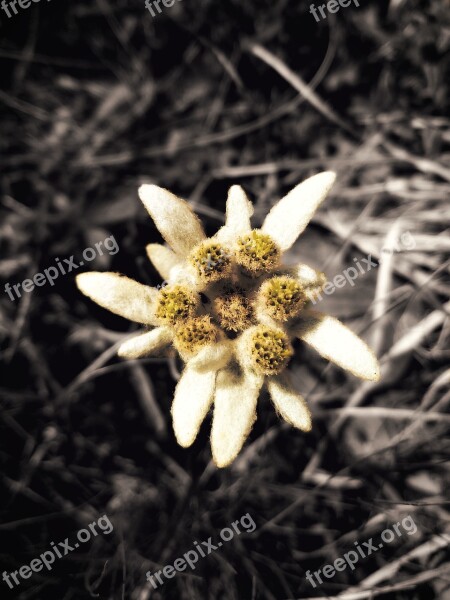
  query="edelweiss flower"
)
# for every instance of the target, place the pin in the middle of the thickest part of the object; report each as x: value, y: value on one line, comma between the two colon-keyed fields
x: 231, y: 309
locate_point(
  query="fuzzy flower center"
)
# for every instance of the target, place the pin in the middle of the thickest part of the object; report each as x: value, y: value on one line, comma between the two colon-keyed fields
x: 270, y: 350
x: 282, y: 298
x: 234, y: 311
x: 175, y: 304
x: 195, y: 333
x: 257, y: 252
x: 211, y: 261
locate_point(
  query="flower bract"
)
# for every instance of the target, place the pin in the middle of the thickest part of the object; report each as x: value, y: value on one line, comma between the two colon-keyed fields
x: 232, y: 310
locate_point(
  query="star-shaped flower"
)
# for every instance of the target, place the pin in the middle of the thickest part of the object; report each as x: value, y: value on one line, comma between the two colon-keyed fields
x: 231, y: 309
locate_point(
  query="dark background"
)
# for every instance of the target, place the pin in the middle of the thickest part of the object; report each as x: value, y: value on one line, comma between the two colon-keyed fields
x: 96, y: 98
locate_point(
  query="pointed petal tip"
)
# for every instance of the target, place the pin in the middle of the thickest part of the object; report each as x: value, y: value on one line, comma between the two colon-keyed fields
x: 292, y: 407
x: 221, y: 463
x: 371, y: 371
x: 125, y: 351
x: 329, y: 175
x: 288, y: 218
x: 185, y: 444
x: 237, y: 193
x: 145, y: 343
x: 147, y: 191
x: 119, y: 294
x: 177, y: 223
x: 376, y: 376
x: 92, y: 283
x: 153, y: 195
x: 192, y: 400
x: 85, y: 281
x: 323, y: 181
x: 238, y: 213
x: 337, y: 343
x: 185, y: 440
x: 163, y: 259
x: 234, y: 415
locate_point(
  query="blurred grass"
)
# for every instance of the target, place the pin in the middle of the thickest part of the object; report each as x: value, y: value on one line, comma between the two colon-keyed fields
x: 99, y: 97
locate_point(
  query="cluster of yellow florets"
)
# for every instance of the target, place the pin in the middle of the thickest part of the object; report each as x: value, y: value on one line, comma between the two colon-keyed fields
x: 257, y: 253
x: 282, y: 298
x: 233, y: 310
x: 194, y: 334
x: 211, y: 261
x: 237, y: 289
x: 175, y: 303
x: 270, y: 350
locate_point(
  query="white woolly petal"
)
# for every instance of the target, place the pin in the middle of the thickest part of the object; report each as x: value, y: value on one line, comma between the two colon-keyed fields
x: 120, y: 295
x: 334, y: 341
x: 212, y: 357
x: 289, y: 217
x: 234, y: 414
x: 178, y: 225
x: 309, y: 277
x: 193, y: 397
x: 145, y: 344
x: 291, y: 406
x: 263, y: 318
x: 184, y: 275
x: 163, y: 259
x: 242, y: 345
x: 311, y: 280
x: 239, y: 211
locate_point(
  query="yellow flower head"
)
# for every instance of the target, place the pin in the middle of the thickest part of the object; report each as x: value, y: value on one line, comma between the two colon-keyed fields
x: 232, y: 310
x: 211, y: 261
x: 269, y: 349
x: 257, y: 253
x: 175, y: 303
x: 194, y: 334
x: 282, y: 297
